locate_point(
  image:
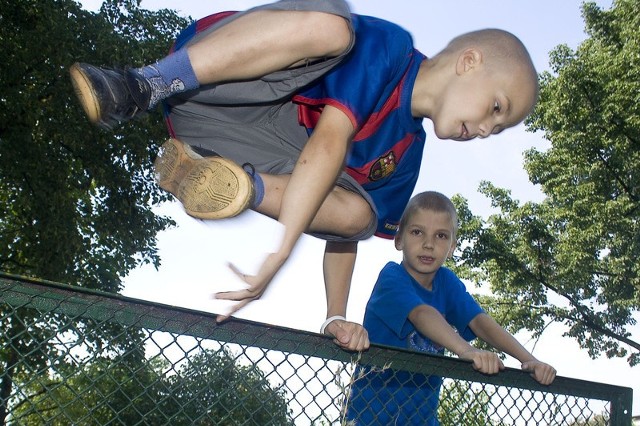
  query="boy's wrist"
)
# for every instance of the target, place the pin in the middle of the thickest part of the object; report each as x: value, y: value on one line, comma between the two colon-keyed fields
x: 329, y: 321
x: 466, y: 350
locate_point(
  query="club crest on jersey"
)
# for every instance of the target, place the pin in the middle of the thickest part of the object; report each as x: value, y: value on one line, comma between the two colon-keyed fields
x: 383, y: 167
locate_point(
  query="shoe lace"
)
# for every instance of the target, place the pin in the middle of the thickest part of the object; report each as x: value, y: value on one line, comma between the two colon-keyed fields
x: 249, y: 169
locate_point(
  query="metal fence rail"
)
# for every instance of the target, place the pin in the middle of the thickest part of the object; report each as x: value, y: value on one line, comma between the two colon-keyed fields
x: 74, y: 356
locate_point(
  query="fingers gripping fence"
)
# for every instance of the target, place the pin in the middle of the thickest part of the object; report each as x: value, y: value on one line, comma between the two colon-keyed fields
x: 70, y: 356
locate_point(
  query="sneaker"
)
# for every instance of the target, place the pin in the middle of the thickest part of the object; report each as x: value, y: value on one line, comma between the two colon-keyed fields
x: 109, y: 96
x: 207, y: 187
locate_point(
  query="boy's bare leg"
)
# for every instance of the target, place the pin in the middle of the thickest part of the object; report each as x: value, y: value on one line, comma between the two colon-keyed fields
x: 253, y: 45
x: 262, y: 42
x: 343, y: 213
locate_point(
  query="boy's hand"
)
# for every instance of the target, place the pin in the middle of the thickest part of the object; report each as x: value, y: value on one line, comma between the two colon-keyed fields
x: 543, y: 373
x: 484, y: 361
x: 257, y: 284
x: 348, y: 335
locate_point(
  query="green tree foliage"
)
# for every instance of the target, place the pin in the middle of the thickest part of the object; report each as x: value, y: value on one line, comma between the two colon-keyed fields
x: 598, y: 420
x: 574, y: 257
x: 75, y: 201
x: 211, y: 388
x: 462, y: 405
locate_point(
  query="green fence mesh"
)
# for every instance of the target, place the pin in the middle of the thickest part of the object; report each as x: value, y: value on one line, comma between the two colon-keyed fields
x: 70, y: 356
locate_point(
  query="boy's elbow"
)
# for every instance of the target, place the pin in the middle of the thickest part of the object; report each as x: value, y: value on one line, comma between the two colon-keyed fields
x: 422, y: 311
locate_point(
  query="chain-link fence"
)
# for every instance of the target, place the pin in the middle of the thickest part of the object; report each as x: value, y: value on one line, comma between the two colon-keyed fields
x: 70, y: 356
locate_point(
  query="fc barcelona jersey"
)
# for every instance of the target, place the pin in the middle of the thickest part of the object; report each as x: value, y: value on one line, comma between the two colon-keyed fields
x: 373, y: 88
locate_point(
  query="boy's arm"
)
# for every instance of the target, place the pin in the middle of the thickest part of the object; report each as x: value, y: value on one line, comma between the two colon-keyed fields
x: 313, y: 177
x: 339, y: 260
x: 491, y: 332
x: 434, y: 326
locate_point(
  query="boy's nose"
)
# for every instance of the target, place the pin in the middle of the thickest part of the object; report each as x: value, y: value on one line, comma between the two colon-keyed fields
x: 488, y: 128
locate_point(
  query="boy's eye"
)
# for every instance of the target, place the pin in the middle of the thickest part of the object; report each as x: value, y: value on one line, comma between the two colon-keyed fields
x: 415, y: 232
x: 443, y: 236
x: 496, y: 106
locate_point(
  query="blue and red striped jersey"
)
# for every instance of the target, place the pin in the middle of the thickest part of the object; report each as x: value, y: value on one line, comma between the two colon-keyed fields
x: 373, y: 88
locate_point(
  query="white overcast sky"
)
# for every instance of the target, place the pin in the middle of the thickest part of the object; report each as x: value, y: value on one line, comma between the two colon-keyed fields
x: 194, y: 255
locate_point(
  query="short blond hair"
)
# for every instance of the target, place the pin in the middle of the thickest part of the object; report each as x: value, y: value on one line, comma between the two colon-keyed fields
x: 429, y: 200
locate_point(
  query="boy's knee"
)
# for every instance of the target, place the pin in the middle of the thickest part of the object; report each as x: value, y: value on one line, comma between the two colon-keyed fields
x: 358, y: 215
x: 335, y: 32
x: 340, y: 34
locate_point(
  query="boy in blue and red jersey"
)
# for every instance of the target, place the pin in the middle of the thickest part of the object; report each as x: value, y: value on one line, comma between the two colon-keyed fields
x: 324, y: 111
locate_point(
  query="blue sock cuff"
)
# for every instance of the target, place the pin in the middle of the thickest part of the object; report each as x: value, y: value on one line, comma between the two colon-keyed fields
x: 177, y: 66
x: 258, y: 187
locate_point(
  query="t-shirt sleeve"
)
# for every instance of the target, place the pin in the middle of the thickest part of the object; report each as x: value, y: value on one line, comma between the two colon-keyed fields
x: 382, y: 52
x: 461, y: 306
x: 393, y: 298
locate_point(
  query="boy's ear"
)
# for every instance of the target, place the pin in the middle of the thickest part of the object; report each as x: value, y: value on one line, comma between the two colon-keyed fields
x: 469, y: 59
x: 397, y: 240
x: 452, y: 249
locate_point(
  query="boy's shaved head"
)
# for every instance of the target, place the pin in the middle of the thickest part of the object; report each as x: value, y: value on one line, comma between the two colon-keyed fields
x: 501, y: 50
x: 497, y: 45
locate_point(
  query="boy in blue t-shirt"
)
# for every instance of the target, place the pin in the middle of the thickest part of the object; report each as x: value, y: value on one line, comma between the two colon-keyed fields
x: 419, y: 305
x: 324, y: 109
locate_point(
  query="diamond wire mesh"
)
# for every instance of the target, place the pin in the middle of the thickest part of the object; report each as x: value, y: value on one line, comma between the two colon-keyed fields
x: 73, y: 356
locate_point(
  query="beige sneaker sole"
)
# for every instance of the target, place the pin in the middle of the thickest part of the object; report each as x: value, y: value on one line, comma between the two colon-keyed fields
x: 174, y: 161
x: 208, y: 188
x: 85, y: 93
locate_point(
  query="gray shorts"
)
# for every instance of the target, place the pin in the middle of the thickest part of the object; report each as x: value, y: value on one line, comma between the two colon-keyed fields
x: 254, y: 121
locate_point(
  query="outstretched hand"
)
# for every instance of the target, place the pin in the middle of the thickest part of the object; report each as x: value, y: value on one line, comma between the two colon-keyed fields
x: 348, y: 335
x: 541, y: 372
x: 484, y: 361
x: 257, y: 284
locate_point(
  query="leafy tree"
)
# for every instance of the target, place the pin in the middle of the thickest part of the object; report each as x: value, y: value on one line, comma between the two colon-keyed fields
x: 598, y: 420
x: 109, y: 387
x: 211, y: 389
x: 75, y: 201
x: 573, y: 258
x: 461, y: 405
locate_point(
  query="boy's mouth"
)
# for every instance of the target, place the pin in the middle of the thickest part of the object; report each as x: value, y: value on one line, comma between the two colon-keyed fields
x: 464, y: 133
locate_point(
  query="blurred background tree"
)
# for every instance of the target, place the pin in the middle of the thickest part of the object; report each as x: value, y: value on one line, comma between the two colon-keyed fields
x: 210, y: 388
x: 75, y: 201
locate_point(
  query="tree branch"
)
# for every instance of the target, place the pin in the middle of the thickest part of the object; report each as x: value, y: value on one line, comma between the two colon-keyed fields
x: 606, y: 332
x: 586, y: 93
x: 585, y: 314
